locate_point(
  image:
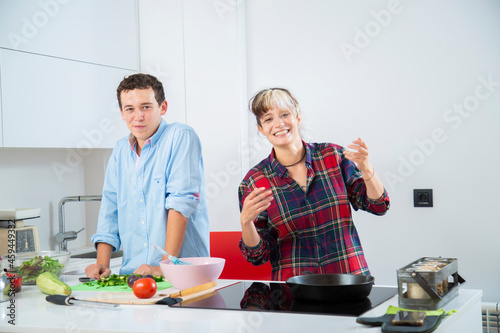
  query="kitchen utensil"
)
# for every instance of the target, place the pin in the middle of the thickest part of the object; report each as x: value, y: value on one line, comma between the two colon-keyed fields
x: 70, y: 300
x: 47, y: 261
x: 194, y: 289
x: 202, y: 270
x: 86, y: 279
x: 428, y: 283
x: 175, y: 260
x: 190, y: 294
x: 330, y: 288
x: 429, y: 323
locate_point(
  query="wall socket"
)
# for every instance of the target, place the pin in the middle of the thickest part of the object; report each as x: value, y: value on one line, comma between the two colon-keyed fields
x: 422, y: 198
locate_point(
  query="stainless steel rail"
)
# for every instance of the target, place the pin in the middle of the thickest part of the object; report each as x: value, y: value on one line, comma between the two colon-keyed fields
x: 62, y: 237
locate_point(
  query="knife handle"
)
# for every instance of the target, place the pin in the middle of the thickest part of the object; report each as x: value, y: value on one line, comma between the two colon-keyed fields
x: 59, y: 299
x: 86, y: 279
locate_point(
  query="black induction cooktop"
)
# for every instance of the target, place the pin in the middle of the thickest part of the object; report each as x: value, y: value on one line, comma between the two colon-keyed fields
x: 275, y: 296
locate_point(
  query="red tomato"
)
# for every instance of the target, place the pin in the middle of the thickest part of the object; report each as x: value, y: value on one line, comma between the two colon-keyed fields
x: 16, y: 279
x: 144, y: 288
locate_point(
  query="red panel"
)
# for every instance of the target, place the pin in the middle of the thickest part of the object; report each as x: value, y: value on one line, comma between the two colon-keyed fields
x: 224, y: 244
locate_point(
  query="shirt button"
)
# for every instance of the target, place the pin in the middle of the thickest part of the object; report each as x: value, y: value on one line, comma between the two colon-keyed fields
x: 139, y: 178
x: 145, y: 244
x: 140, y: 200
x: 142, y: 222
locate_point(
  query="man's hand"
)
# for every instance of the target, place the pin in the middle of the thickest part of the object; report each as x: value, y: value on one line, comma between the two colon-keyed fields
x: 148, y: 269
x: 96, y: 271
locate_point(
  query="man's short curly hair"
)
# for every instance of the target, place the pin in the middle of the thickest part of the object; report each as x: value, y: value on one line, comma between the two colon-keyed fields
x: 141, y: 81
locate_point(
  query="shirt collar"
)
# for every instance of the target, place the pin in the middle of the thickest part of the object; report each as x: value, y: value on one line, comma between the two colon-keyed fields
x: 280, y: 169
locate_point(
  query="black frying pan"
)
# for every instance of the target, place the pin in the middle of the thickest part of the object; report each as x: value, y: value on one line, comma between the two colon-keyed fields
x: 330, y: 288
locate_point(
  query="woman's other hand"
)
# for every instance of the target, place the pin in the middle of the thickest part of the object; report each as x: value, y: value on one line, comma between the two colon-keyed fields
x: 255, y: 203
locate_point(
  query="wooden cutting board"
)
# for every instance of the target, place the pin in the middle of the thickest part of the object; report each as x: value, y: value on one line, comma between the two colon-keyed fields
x: 125, y: 298
x: 130, y: 298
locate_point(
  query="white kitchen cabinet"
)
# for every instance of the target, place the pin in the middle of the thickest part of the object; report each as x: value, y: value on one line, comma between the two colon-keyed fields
x: 94, y: 31
x: 216, y: 95
x: 1, y: 132
x: 162, y: 51
x: 49, y: 102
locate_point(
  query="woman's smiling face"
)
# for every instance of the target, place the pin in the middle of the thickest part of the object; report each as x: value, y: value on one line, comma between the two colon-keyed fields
x: 281, y: 127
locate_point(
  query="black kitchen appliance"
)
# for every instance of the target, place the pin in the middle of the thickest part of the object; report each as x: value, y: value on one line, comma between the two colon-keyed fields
x: 277, y: 297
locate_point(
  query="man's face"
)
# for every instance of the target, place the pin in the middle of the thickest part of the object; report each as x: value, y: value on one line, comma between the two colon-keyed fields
x: 141, y: 113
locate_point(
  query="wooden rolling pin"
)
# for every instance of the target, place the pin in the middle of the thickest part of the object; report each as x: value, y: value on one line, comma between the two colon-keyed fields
x: 194, y: 290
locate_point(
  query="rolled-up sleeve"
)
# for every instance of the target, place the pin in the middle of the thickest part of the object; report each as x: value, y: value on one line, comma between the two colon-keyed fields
x: 356, y: 189
x: 184, y: 174
x: 259, y: 254
x: 107, y: 226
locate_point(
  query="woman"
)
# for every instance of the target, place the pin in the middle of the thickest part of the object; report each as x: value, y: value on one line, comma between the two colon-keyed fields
x: 296, y: 204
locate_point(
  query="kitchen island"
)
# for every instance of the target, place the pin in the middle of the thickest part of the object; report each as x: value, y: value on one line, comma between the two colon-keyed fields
x: 33, y: 314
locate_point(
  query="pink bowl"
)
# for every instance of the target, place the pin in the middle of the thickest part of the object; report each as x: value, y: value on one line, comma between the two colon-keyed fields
x: 203, y: 270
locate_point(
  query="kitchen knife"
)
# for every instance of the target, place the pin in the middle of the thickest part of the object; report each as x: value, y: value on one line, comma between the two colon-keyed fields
x: 186, y: 299
x: 86, y: 279
x: 70, y: 300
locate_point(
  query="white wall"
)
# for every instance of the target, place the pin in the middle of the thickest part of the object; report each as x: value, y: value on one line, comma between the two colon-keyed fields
x: 28, y: 180
x: 394, y: 93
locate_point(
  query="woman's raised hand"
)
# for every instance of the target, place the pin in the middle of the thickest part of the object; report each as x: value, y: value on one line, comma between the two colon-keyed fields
x: 359, y: 155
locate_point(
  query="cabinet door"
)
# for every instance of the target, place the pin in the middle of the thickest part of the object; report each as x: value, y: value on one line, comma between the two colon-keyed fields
x: 1, y: 116
x: 95, y: 31
x: 57, y: 103
x: 216, y: 100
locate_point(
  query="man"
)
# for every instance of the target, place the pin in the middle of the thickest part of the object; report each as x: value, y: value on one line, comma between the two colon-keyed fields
x: 154, y: 189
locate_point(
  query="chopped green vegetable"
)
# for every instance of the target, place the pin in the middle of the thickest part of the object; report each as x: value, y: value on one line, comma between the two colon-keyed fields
x: 116, y: 280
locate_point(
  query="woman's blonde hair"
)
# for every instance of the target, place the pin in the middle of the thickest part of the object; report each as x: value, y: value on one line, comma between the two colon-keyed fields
x: 273, y: 98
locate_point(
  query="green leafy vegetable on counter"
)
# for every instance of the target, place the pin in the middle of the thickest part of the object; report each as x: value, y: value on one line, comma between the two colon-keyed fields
x: 30, y: 269
x: 118, y: 280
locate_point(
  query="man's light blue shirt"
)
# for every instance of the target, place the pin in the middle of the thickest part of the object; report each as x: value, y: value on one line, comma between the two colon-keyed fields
x: 138, y: 191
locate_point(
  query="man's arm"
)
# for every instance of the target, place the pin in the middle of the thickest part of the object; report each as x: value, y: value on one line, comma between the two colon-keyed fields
x: 176, y: 230
x: 101, y: 267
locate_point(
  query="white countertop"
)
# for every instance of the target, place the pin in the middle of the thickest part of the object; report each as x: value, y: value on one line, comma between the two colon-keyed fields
x: 34, y: 314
